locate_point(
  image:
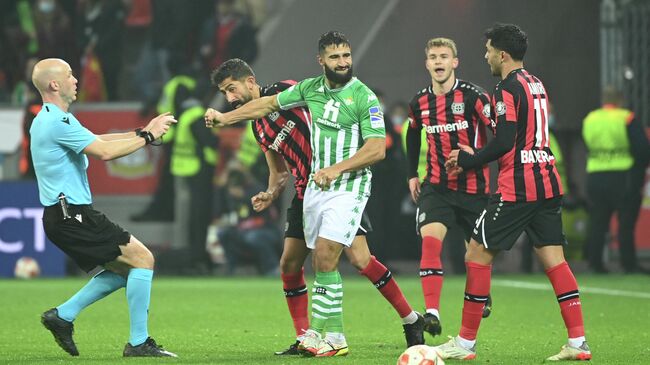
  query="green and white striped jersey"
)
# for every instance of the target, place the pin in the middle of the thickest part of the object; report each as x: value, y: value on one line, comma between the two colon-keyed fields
x: 341, y: 119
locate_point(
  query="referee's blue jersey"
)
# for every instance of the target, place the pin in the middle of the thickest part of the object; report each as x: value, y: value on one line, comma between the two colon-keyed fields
x: 57, y: 142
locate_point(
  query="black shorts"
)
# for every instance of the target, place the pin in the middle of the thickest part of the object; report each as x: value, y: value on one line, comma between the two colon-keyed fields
x: 293, y: 227
x: 441, y: 205
x: 501, y: 223
x: 89, y: 238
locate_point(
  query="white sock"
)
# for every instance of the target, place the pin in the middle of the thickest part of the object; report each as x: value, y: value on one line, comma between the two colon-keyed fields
x: 335, y: 337
x: 466, y: 344
x: 576, y: 342
x: 434, y: 312
x: 411, y: 318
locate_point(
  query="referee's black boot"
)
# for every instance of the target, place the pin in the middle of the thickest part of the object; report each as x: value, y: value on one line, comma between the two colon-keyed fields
x: 61, y: 329
x: 148, y: 348
x: 432, y: 324
x: 414, y: 332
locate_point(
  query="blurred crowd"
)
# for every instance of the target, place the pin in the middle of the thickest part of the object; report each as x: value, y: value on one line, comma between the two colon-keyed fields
x: 122, y: 49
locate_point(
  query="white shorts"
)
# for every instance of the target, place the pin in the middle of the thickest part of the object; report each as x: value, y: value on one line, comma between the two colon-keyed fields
x: 333, y: 215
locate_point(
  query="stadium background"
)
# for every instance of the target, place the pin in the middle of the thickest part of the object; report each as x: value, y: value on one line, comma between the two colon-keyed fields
x: 576, y: 47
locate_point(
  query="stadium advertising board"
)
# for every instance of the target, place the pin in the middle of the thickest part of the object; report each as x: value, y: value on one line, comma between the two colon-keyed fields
x: 21, y: 231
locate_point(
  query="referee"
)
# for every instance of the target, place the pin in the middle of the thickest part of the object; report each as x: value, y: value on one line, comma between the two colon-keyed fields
x: 59, y: 148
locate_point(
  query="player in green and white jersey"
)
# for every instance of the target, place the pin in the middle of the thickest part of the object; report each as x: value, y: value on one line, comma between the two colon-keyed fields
x: 347, y: 136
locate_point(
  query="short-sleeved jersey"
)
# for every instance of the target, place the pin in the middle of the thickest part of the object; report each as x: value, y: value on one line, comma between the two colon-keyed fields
x: 459, y: 116
x: 287, y: 133
x: 58, y: 140
x: 341, y: 119
x: 527, y: 172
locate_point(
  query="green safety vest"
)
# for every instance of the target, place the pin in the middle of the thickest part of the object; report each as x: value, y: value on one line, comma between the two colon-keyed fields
x: 559, y: 161
x: 424, y: 147
x: 249, y: 150
x: 185, y: 160
x: 166, y: 101
x: 604, y: 131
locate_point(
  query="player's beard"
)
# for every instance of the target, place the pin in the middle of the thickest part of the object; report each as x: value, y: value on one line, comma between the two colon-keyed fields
x: 337, y: 78
x: 237, y: 103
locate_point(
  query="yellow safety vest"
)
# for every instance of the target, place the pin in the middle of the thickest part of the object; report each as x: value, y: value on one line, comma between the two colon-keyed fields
x: 166, y: 101
x: 249, y: 150
x: 559, y: 161
x: 185, y: 160
x: 604, y: 131
x: 424, y: 147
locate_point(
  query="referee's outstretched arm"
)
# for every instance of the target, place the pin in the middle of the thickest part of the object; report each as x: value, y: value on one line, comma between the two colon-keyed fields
x: 109, y: 149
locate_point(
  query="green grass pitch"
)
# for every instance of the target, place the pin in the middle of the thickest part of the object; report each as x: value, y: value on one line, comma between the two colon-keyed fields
x: 243, y: 320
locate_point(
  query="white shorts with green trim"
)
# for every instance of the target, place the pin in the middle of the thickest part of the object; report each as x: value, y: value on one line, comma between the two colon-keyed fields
x: 333, y: 215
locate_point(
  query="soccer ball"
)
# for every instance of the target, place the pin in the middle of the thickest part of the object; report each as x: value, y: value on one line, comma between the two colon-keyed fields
x: 26, y: 268
x: 420, y: 355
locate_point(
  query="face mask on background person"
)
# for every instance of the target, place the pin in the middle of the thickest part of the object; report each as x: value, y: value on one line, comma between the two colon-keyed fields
x: 46, y: 6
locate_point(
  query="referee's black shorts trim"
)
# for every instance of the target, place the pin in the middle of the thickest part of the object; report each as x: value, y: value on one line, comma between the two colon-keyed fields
x: 293, y: 228
x: 88, y: 237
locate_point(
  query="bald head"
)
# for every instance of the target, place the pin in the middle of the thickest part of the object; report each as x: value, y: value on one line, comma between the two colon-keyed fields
x: 54, y: 80
x: 48, y: 70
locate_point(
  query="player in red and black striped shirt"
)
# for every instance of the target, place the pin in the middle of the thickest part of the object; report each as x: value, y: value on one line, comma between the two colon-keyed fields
x: 451, y: 111
x: 284, y: 137
x: 528, y: 198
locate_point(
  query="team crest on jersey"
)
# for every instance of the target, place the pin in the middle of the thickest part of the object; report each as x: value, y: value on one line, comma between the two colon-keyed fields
x: 500, y: 108
x: 458, y: 108
x: 348, y: 101
x: 376, y: 117
x: 274, y: 116
x: 486, y: 110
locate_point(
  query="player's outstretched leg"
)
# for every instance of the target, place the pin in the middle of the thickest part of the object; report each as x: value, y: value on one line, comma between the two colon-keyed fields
x: 383, y: 280
x: 59, y: 320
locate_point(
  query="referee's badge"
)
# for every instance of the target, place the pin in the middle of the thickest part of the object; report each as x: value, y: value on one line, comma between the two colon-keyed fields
x: 422, y: 217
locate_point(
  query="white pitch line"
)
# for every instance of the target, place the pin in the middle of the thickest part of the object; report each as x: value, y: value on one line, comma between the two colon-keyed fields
x: 583, y: 289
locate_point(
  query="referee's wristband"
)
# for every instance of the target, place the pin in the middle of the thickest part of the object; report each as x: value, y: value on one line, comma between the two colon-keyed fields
x: 148, y: 137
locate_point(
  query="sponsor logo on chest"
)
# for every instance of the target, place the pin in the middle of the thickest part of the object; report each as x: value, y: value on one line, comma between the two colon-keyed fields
x: 284, y: 133
x: 446, y: 128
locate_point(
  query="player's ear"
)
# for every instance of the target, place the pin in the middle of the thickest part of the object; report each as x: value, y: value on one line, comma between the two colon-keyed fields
x: 455, y: 62
x: 53, y: 85
x: 250, y: 81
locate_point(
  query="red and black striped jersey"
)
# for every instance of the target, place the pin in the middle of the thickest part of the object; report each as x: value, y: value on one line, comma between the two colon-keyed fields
x: 527, y: 171
x: 287, y: 133
x: 459, y: 116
